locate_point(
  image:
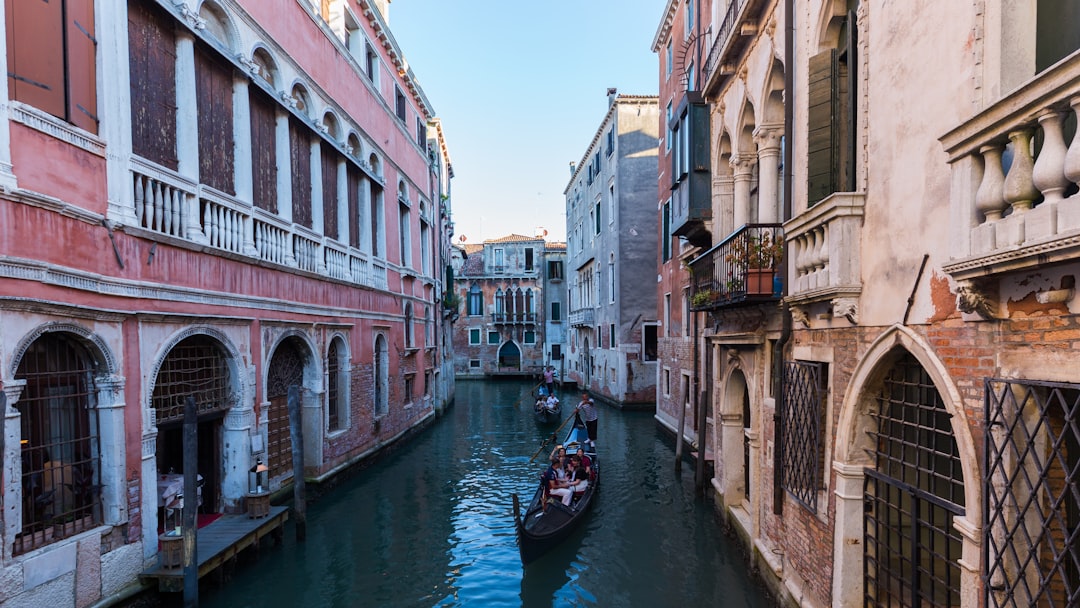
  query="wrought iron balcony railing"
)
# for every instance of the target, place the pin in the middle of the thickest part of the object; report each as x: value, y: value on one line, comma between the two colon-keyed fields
x: 513, y: 318
x: 741, y: 269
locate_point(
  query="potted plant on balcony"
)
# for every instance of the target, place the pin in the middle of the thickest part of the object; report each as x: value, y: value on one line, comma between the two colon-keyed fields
x: 758, y: 257
x: 704, y: 298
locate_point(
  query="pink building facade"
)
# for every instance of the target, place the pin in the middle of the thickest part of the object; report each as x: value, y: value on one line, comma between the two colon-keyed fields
x: 208, y: 200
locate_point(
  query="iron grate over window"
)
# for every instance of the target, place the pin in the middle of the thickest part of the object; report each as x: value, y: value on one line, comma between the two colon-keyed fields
x: 332, y: 392
x: 1031, y: 525
x: 197, y: 367
x: 801, y: 418
x: 60, y: 447
x: 911, y: 549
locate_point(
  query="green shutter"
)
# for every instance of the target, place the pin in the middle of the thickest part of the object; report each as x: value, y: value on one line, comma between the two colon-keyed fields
x: 823, y: 142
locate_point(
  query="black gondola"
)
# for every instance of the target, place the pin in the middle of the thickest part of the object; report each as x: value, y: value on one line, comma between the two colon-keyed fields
x: 546, y: 415
x: 545, y: 525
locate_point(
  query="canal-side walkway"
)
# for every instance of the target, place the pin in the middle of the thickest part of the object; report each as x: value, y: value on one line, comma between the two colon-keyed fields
x: 217, y: 543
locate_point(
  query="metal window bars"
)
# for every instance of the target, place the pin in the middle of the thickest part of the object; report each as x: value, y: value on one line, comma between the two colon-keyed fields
x: 801, y: 418
x: 196, y: 366
x: 59, y: 443
x: 911, y: 549
x: 1031, y: 501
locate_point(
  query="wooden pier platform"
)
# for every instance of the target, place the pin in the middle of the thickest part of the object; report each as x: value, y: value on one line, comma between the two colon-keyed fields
x: 219, y: 542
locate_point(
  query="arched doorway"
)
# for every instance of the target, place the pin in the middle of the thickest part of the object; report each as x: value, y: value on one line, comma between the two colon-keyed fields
x: 195, y: 367
x: 286, y: 369
x: 509, y: 357
x: 912, y: 494
x: 735, y: 435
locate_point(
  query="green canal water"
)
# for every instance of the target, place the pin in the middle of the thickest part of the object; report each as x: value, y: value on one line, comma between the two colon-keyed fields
x: 431, y: 524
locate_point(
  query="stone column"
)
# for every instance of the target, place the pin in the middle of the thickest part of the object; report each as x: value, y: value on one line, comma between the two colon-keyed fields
x: 187, y: 128
x: 110, y: 415
x: 114, y: 108
x: 767, y: 138
x: 242, y: 160
x: 848, y: 535
x: 743, y: 166
x: 12, y: 454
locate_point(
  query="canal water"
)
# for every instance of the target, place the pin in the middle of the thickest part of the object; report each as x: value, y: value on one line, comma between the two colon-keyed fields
x: 431, y: 524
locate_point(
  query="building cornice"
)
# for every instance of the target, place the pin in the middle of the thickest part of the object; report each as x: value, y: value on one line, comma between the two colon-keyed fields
x: 620, y: 100
x: 663, y: 32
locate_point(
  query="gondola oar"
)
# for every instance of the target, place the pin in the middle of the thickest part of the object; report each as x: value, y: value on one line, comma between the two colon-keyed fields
x: 554, y: 434
x: 518, y: 402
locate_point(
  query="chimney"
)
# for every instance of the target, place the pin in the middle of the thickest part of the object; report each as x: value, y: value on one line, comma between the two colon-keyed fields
x: 612, y: 93
x: 572, y: 167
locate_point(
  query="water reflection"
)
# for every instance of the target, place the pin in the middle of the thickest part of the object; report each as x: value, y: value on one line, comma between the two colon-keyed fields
x: 431, y: 525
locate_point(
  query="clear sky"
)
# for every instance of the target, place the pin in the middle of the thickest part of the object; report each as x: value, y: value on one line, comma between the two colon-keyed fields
x: 521, y: 88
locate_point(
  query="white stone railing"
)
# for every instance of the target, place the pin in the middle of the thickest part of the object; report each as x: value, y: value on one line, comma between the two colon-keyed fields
x: 163, y: 200
x: 823, y: 251
x: 226, y: 222
x: 1014, y: 200
x: 168, y: 204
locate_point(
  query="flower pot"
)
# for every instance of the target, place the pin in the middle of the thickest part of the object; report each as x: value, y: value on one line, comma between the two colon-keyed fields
x: 759, y: 281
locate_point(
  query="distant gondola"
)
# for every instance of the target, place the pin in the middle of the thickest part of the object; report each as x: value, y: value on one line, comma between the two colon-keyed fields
x: 545, y: 525
x: 546, y: 415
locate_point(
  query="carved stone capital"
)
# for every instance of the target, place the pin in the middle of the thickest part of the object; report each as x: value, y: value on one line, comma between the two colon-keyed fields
x: 847, y: 308
x: 191, y: 16
x: 289, y: 100
x: 249, y: 64
x: 971, y: 298
x: 767, y: 137
x: 743, y: 164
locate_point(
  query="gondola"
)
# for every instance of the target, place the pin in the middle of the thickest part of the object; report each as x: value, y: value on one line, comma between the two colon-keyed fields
x: 545, y: 525
x: 547, y: 416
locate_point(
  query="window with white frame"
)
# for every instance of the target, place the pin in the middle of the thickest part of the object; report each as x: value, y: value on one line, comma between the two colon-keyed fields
x: 474, y: 336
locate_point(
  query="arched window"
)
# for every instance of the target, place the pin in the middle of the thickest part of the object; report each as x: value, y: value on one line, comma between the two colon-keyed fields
x: 337, y: 386
x: 382, y: 377
x: 61, y: 464
x: 408, y: 325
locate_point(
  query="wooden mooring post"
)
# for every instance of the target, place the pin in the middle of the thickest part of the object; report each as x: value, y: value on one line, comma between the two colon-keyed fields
x: 191, y: 503
x: 296, y: 433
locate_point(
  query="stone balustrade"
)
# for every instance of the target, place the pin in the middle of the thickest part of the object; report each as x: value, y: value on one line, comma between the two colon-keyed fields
x: 1014, y: 176
x: 824, y: 258
x: 168, y: 204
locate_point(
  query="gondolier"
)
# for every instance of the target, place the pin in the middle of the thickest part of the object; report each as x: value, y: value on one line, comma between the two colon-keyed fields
x: 588, y: 413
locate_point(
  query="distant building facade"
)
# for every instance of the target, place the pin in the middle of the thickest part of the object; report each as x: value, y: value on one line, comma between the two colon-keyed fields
x: 555, y: 321
x: 207, y: 200
x: 501, y: 288
x: 611, y: 254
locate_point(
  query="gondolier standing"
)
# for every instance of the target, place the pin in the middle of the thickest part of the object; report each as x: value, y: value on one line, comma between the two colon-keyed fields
x: 588, y: 414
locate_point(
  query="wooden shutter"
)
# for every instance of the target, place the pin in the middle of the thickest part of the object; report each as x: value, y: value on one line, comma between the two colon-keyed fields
x: 263, y: 150
x: 329, y: 190
x: 376, y: 221
x: 81, y: 65
x: 214, y: 95
x: 824, y: 118
x: 36, y: 54
x: 152, y: 64
x: 353, y: 179
x: 300, y: 158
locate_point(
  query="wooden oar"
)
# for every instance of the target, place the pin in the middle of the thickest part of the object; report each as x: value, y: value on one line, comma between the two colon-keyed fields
x: 518, y: 402
x: 553, y: 436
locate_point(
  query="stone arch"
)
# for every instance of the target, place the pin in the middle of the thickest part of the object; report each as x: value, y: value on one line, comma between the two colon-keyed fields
x: 403, y: 191
x: 332, y: 124
x: 744, y: 134
x: 830, y: 21
x: 772, y: 96
x: 735, y: 483
x: 232, y: 356
x: 338, y: 381
x: 312, y: 364
x: 352, y: 142
x: 851, y: 457
x: 278, y: 426
x: 219, y: 25
x: 265, y: 66
x: 376, y: 164
x: 509, y: 355
x: 380, y: 362
x: 95, y: 346
x: 300, y: 95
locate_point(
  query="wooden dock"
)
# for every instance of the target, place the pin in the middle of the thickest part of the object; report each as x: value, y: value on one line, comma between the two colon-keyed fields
x: 220, y: 542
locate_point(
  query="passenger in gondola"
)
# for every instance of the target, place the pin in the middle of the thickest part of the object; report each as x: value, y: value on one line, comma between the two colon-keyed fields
x: 552, y: 403
x: 579, y: 479
x: 554, y: 481
x: 585, y: 461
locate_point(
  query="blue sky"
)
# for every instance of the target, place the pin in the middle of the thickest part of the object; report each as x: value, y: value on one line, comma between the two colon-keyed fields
x: 521, y: 88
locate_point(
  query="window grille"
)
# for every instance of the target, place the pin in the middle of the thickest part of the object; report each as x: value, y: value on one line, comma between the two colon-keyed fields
x: 911, y: 549
x: 60, y: 443
x: 333, y: 396
x: 1032, y: 504
x: 193, y: 367
x: 801, y: 414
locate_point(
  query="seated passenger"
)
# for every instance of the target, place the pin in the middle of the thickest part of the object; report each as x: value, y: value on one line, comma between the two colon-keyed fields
x: 552, y: 403
x: 585, y: 461
x: 578, y: 482
x: 553, y: 484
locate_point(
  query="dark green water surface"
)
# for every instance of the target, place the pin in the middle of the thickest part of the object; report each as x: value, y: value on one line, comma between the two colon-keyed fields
x: 431, y: 524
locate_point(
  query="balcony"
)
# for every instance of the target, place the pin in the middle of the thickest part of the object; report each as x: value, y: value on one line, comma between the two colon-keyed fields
x: 582, y: 317
x: 1014, y: 179
x: 824, y: 252
x: 691, y: 200
x: 739, y: 271
x: 733, y: 35
x: 169, y: 205
x: 513, y: 318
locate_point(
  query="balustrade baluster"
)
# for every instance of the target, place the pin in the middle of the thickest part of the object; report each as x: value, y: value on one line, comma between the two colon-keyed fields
x: 1048, y: 174
x: 990, y: 197
x: 1020, y: 191
x: 1072, y: 156
x: 155, y: 215
x: 140, y: 197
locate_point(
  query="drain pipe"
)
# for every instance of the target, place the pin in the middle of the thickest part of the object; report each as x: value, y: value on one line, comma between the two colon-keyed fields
x: 785, y: 312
